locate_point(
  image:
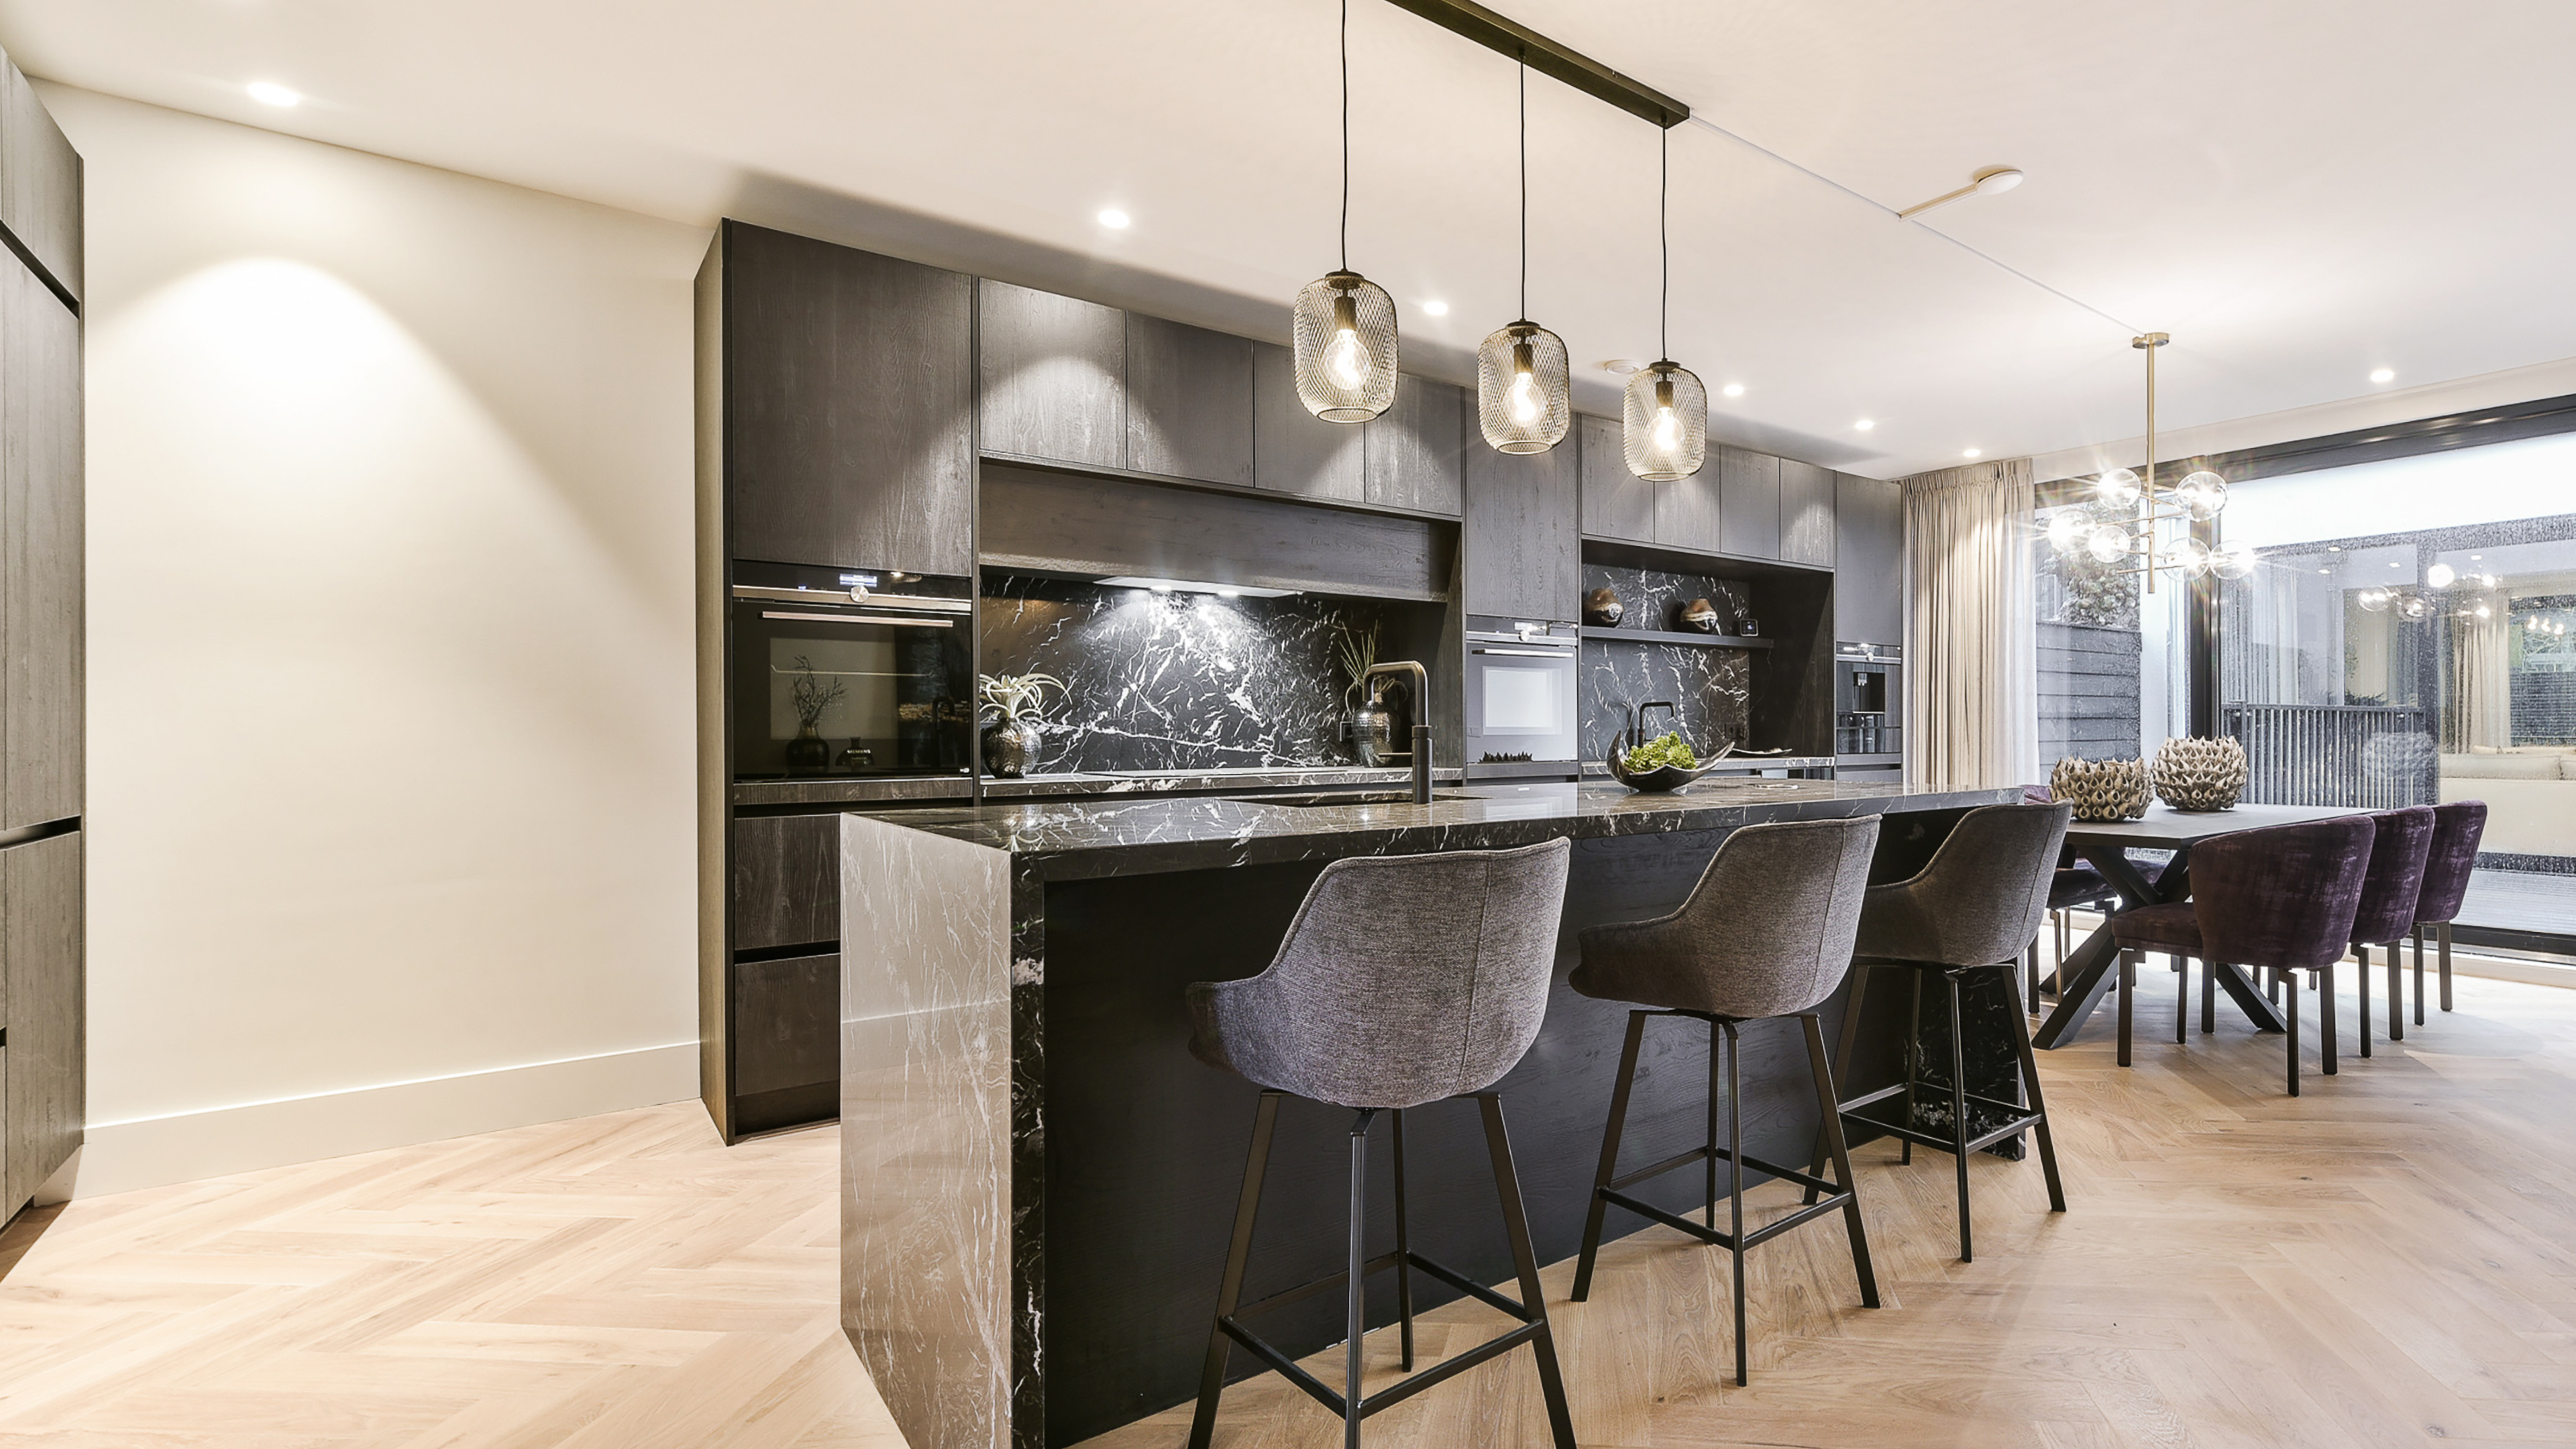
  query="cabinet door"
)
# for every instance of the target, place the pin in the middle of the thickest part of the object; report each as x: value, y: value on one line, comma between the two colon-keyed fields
x: 1686, y: 510
x: 1749, y: 486
x: 786, y: 881
x: 1806, y: 513
x: 1869, y: 560
x: 1616, y: 503
x: 786, y: 1023
x: 40, y: 945
x: 1054, y: 376
x: 1294, y: 451
x: 849, y: 406
x: 1524, y: 549
x: 40, y: 181
x: 40, y: 551
x: 1189, y: 402
x: 1411, y: 452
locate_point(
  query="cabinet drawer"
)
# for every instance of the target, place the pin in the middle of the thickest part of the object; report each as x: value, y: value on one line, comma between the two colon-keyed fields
x: 786, y: 881
x: 786, y: 1023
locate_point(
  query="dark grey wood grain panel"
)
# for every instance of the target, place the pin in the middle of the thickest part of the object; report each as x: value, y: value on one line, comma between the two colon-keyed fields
x: 1749, y: 507
x: 1869, y: 560
x: 1522, y: 534
x: 1616, y: 503
x: 1806, y: 513
x: 849, y: 406
x: 1414, y: 451
x: 1189, y: 402
x: 1293, y: 451
x: 786, y: 881
x: 40, y: 181
x: 1065, y: 523
x: 40, y: 537
x: 47, y: 1068
x: 1053, y: 376
x: 1686, y: 510
x: 786, y: 1023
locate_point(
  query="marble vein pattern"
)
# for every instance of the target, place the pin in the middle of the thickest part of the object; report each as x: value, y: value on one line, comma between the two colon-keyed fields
x: 927, y: 1129
x: 1711, y: 688
x: 1178, y: 681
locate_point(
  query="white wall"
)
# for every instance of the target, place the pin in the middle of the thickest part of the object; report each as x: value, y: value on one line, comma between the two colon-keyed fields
x: 390, y: 684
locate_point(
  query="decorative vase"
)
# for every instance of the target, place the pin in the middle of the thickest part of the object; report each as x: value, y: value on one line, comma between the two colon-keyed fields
x: 2194, y: 774
x: 2101, y: 790
x: 1370, y: 727
x: 1699, y: 616
x: 809, y: 753
x: 1010, y: 747
x: 1602, y: 609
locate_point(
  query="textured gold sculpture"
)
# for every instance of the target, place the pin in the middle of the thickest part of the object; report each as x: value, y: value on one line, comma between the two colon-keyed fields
x: 2200, y: 774
x: 2101, y: 789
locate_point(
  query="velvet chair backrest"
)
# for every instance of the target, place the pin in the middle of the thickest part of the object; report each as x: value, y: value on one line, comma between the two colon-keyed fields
x: 2283, y: 896
x: 2400, y: 842
x: 2457, y: 828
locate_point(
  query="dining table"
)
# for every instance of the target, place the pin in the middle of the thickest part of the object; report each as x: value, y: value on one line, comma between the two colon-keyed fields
x: 2091, y: 970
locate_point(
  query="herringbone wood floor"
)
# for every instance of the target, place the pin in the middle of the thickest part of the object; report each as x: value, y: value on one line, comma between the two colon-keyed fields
x: 2390, y: 1259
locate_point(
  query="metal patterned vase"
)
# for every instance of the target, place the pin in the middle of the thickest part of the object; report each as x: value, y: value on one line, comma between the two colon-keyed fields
x: 2101, y: 790
x: 2200, y: 774
x: 1010, y: 747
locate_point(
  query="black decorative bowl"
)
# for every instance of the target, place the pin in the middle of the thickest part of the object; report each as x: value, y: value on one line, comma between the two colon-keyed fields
x: 1663, y: 777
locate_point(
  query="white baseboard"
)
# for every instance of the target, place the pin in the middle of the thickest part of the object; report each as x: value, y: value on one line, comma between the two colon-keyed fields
x: 123, y: 1156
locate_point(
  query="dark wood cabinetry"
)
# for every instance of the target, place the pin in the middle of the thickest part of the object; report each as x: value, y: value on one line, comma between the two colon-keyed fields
x: 1869, y: 572
x: 1522, y: 534
x: 1749, y: 503
x: 1189, y: 402
x: 786, y: 881
x: 787, y: 1041
x: 1806, y: 514
x: 1687, y: 510
x: 1053, y: 377
x: 1413, y: 453
x: 848, y: 405
x: 1617, y: 504
x: 40, y: 183
x: 40, y: 551
x: 40, y: 959
x: 1293, y: 451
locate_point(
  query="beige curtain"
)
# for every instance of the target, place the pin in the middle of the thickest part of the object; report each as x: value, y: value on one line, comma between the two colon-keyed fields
x: 2481, y: 713
x: 1972, y: 653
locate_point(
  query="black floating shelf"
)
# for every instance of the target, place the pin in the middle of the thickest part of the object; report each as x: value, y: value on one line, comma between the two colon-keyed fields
x: 1669, y: 636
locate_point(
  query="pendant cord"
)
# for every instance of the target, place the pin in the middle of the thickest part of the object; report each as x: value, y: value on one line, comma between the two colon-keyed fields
x: 1664, y: 234
x: 1346, y: 135
x: 1524, y: 187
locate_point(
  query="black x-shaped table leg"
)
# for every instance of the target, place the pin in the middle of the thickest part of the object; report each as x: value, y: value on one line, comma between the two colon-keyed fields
x: 2089, y: 970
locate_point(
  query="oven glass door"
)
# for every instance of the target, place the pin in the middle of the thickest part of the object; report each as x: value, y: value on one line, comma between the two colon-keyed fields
x: 1520, y: 702
x: 850, y: 693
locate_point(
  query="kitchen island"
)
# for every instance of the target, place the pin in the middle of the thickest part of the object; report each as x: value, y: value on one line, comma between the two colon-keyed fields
x: 1038, y: 1179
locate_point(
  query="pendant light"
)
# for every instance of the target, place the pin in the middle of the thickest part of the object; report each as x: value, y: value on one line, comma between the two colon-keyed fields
x: 1522, y: 396
x: 1665, y: 424
x: 1344, y: 324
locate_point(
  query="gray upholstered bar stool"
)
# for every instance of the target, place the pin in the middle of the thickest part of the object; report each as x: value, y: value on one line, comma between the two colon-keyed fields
x: 1982, y: 896
x: 1766, y: 933
x: 1403, y: 980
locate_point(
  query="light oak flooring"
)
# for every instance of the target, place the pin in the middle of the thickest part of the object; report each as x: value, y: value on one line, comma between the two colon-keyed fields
x: 2390, y: 1259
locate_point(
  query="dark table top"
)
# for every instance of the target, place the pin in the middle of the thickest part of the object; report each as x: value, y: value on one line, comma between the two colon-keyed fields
x: 2165, y: 828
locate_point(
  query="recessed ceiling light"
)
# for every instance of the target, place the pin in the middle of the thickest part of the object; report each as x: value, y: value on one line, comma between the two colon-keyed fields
x: 1436, y: 308
x: 2383, y: 374
x: 2334, y: 548
x: 1733, y: 389
x: 1622, y: 365
x: 270, y: 93
x: 1973, y: 453
x: 1865, y: 425
x: 1114, y: 219
x: 2325, y: 571
x: 2477, y: 558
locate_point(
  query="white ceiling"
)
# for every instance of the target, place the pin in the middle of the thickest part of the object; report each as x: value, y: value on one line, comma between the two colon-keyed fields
x: 2298, y: 190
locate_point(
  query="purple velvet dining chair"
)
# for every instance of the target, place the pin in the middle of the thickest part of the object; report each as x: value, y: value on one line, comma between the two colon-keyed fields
x: 2457, y: 829
x: 2390, y: 890
x: 2280, y: 899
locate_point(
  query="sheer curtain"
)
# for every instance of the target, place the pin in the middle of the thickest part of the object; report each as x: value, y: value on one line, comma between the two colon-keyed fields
x: 2481, y: 679
x: 1971, y: 703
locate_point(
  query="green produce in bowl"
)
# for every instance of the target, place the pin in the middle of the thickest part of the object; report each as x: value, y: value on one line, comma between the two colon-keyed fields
x: 1671, y: 750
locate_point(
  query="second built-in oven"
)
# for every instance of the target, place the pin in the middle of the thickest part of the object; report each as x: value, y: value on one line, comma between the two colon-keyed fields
x: 855, y: 682
x: 1520, y: 691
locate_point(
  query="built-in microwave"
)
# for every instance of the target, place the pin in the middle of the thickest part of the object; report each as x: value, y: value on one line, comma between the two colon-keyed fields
x: 850, y: 674
x: 1520, y: 691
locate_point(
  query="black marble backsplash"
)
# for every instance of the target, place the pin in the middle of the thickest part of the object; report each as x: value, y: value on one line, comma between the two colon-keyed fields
x: 1180, y: 681
x: 1712, y: 687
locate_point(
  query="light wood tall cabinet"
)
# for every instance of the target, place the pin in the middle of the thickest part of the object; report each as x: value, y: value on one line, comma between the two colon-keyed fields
x: 42, y: 987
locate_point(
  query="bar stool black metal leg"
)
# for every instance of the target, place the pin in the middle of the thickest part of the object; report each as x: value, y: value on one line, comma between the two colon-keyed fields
x: 1710, y: 1216
x: 1229, y: 1294
x: 1403, y: 1247
x: 1959, y: 1117
x: 1735, y: 1179
x: 1507, y: 1186
x: 2128, y: 984
x: 1829, y: 1105
x: 1842, y: 1056
x: 2397, y: 995
x: 1609, y: 1155
x: 1357, y: 1304
x: 2033, y: 955
x: 2442, y: 941
x: 1913, y: 1065
x: 2365, y: 998
x: 2039, y: 1106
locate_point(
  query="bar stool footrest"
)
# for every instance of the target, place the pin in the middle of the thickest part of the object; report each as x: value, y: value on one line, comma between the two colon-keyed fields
x: 1288, y: 1368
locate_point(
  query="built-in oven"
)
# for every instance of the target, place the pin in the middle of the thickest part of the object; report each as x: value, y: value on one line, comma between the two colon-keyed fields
x: 1869, y: 698
x: 850, y: 674
x: 1520, y: 692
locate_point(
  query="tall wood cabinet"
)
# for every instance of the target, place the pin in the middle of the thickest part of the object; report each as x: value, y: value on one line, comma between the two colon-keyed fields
x: 42, y: 988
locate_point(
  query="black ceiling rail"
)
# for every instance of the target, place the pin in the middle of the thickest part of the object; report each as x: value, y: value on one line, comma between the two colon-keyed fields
x: 1510, y: 37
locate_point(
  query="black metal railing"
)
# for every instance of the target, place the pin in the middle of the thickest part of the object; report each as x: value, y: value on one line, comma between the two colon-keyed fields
x: 2362, y: 756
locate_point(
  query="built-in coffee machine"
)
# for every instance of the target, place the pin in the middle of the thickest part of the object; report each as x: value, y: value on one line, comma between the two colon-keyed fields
x: 1869, y: 698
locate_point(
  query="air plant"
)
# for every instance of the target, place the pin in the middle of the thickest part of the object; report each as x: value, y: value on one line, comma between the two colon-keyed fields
x: 1358, y: 651
x: 812, y: 696
x: 1016, y: 698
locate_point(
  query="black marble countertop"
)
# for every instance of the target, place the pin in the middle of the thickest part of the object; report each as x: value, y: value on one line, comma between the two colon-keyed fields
x: 1596, y: 769
x: 1069, y: 838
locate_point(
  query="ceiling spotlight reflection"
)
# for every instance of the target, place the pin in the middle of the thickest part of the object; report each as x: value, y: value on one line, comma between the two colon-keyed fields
x: 270, y: 93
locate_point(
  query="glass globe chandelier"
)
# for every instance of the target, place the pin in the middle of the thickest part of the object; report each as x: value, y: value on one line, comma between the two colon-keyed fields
x: 1343, y: 324
x: 2157, y: 536
x: 1665, y: 419
x: 1523, y: 398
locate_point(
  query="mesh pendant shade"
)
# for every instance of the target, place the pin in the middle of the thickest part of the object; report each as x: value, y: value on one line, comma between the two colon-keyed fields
x: 1666, y: 423
x: 1345, y: 335
x: 1521, y: 390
